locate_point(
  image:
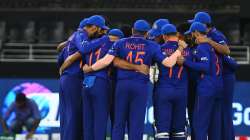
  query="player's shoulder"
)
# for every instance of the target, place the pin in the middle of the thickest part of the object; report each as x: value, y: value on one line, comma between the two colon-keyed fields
x: 152, y: 43
x: 216, y: 34
x: 204, y: 46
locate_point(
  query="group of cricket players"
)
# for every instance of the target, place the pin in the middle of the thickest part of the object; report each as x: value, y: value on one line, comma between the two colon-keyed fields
x: 104, y: 75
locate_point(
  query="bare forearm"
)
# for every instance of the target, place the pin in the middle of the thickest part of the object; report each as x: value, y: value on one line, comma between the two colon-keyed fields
x: 35, y: 125
x: 102, y: 63
x: 222, y: 49
x: 3, y: 124
x: 70, y: 60
x: 124, y: 64
x: 171, y: 60
x: 61, y: 46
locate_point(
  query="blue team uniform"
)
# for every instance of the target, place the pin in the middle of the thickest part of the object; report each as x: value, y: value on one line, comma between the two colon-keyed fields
x: 96, y: 94
x: 204, y: 63
x: 71, y: 87
x: 70, y: 91
x: 170, y: 97
x: 218, y: 37
x: 192, y: 86
x: 229, y: 67
x: 132, y: 87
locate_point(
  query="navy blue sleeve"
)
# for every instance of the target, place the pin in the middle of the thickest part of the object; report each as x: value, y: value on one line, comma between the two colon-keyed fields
x: 230, y: 62
x: 157, y: 53
x: 85, y: 46
x: 115, y: 48
x: 202, y: 64
x: 220, y: 38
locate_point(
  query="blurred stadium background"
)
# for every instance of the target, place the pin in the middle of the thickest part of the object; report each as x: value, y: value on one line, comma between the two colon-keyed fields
x: 31, y: 29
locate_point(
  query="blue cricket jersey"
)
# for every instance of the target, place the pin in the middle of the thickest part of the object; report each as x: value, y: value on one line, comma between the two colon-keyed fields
x: 229, y: 66
x: 136, y: 50
x: 204, y: 63
x: 72, y: 47
x: 220, y: 38
x: 94, y: 56
x: 177, y: 75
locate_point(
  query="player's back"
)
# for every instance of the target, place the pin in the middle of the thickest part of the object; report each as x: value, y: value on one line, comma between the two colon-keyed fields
x: 71, y: 49
x: 209, y: 76
x: 92, y: 57
x: 176, y: 75
x: 136, y: 50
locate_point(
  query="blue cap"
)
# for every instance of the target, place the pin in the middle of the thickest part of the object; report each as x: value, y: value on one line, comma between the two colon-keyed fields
x: 98, y: 21
x: 196, y: 26
x: 83, y: 23
x: 158, y: 24
x: 201, y: 17
x: 141, y: 25
x: 168, y: 28
x: 116, y: 32
x: 152, y: 33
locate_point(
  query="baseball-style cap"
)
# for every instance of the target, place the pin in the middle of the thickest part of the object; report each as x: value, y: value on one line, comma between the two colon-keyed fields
x: 116, y: 32
x: 158, y: 24
x: 196, y: 26
x: 168, y: 28
x: 98, y: 21
x: 83, y: 23
x: 152, y: 33
x: 202, y: 17
x: 141, y: 25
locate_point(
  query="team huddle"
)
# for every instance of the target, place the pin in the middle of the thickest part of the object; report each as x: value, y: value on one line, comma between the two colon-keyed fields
x: 104, y: 75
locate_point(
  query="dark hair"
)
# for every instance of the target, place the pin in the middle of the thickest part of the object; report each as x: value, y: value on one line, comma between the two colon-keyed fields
x: 126, y: 29
x: 183, y: 27
x: 136, y: 32
x: 209, y: 25
x: 171, y: 34
x: 20, y: 97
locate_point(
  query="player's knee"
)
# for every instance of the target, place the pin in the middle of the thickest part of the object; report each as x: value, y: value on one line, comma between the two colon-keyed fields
x: 162, y: 135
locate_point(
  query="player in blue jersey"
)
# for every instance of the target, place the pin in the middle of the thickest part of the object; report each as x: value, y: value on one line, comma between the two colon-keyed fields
x: 192, y: 75
x: 229, y: 68
x: 97, y: 92
x: 71, y: 81
x: 204, y: 63
x: 220, y: 43
x: 155, y: 32
x: 170, y: 95
x: 131, y: 88
x: 96, y: 89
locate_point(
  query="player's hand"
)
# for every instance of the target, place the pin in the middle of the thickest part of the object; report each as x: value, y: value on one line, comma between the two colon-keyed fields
x: 180, y: 60
x: 144, y: 69
x: 87, y: 69
x: 60, y: 71
x: 201, y: 39
x: 29, y: 135
x: 182, y: 45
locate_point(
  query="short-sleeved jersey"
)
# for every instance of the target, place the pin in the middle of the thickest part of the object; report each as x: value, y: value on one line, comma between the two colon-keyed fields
x: 203, y: 62
x: 71, y: 48
x: 229, y: 66
x: 92, y: 57
x: 220, y: 38
x: 29, y: 111
x: 136, y: 50
x: 177, y: 75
